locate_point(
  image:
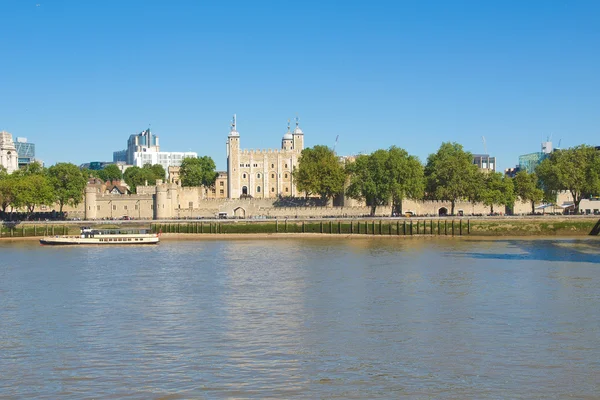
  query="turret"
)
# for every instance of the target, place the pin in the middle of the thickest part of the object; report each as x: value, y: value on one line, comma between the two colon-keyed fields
x: 233, y: 161
x: 91, y: 206
x: 287, y: 142
x: 298, y: 137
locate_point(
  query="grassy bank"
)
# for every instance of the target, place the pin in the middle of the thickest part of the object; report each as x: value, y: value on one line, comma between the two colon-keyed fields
x: 506, y: 226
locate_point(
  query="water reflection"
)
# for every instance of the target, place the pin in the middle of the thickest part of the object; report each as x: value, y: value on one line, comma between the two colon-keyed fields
x: 302, y: 318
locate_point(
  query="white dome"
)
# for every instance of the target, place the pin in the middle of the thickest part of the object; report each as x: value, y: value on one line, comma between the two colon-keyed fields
x: 288, y: 136
x: 298, y: 131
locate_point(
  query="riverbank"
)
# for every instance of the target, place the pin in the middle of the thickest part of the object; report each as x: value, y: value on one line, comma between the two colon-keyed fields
x: 564, y: 226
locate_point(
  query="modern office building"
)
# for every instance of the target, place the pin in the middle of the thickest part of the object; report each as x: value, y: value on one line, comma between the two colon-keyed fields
x: 529, y: 162
x: 9, y: 159
x: 143, y: 148
x: 484, y: 162
x: 26, y: 152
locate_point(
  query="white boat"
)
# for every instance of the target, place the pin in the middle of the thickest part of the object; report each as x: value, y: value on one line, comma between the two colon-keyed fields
x: 103, y: 237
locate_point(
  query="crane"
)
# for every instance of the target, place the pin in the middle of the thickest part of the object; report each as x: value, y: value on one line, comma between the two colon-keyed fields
x: 336, y: 142
x: 484, y: 145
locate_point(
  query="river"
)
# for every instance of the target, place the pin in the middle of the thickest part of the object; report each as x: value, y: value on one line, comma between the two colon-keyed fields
x: 307, y: 318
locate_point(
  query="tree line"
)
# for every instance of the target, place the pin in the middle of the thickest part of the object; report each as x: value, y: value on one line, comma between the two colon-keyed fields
x: 387, y: 177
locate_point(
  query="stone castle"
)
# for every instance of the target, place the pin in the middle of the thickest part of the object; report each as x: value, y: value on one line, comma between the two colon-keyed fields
x: 257, y: 184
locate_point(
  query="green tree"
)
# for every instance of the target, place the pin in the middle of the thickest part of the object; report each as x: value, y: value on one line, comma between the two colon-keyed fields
x: 6, y: 190
x: 576, y: 170
x: 136, y: 176
x: 450, y: 174
x: 497, y: 189
x: 527, y: 189
x: 68, y: 183
x: 198, y: 171
x: 319, y: 172
x: 406, y: 177
x: 158, y: 171
x: 369, y: 179
x: 110, y: 173
x: 32, y: 190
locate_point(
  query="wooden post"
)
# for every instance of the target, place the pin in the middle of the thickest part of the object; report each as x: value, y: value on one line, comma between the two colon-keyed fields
x: 285, y: 227
x: 468, y: 227
x: 34, y: 230
x: 52, y: 230
x: 446, y: 227
x: 373, y: 226
x: 303, y: 227
x: 321, y: 226
x: 276, y: 226
x: 453, y: 227
x: 431, y: 227
x: 404, y: 229
x: 460, y: 227
x: 339, y: 227
x: 397, y: 227
x: 411, y: 227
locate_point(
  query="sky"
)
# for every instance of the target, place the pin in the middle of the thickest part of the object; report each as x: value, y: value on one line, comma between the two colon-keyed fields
x: 78, y: 77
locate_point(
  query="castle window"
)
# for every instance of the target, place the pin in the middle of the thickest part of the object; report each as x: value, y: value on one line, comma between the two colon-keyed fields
x: 272, y: 176
x: 285, y: 176
x: 114, y: 207
x: 221, y: 183
x: 258, y: 189
x: 286, y: 190
x: 244, y: 176
x: 98, y: 208
x: 272, y: 165
x: 247, y: 165
x: 255, y: 165
x: 214, y: 191
x: 136, y: 206
x: 221, y: 191
x: 124, y: 207
x: 272, y: 189
x: 258, y: 176
x: 285, y: 165
x: 191, y: 204
x: 242, y: 165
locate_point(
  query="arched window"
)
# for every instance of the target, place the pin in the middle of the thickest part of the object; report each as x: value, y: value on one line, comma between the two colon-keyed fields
x: 244, y: 176
x: 272, y: 189
x: 285, y: 176
x: 258, y: 176
x: 285, y: 165
x: 258, y: 189
x: 272, y: 176
x: 272, y: 165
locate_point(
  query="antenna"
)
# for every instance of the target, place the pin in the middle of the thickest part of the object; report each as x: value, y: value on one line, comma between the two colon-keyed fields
x: 484, y: 145
x: 336, y: 142
x: 558, y: 147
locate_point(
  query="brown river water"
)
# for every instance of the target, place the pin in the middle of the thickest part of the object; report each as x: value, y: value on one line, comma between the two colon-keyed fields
x: 318, y: 318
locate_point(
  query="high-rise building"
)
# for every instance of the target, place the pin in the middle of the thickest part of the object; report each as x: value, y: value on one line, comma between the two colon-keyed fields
x: 484, y: 162
x: 8, y: 152
x: 143, y: 148
x: 26, y: 152
x: 529, y: 162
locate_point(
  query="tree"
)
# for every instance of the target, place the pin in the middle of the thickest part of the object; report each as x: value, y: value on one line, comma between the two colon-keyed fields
x: 497, y: 189
x: 158, y: 171
x: 32, y: 190
x: 369, y: 179
x: 110, y: 173
x: 198, y: 171
x: 527, y: 189
x: 406, y: 177
x: 319, y: 172
x: 450, y: 174
x: 136, y: 176
x: 68, y: 183
x: 576, y: 170
x: 6, y: 189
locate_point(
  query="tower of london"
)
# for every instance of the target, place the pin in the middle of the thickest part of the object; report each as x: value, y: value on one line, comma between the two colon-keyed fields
x: 263, y: 173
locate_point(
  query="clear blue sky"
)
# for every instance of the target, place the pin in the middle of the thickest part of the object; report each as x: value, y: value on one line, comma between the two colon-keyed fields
x: 78, y: 77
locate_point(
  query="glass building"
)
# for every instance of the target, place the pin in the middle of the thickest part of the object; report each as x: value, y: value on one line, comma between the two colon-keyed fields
x: 25, y: 151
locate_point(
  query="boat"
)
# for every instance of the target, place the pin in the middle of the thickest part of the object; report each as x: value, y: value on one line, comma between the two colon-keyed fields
x: 103, y: 237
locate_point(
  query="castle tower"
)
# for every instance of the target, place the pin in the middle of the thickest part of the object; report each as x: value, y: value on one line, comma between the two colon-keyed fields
x: 90, y: 204
x: 233, y: 161
x: 287, y: 143
x: 162, y: 204
x: 298, y: 137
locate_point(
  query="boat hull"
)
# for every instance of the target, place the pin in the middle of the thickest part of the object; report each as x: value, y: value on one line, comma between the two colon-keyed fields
x: 100, y: 241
